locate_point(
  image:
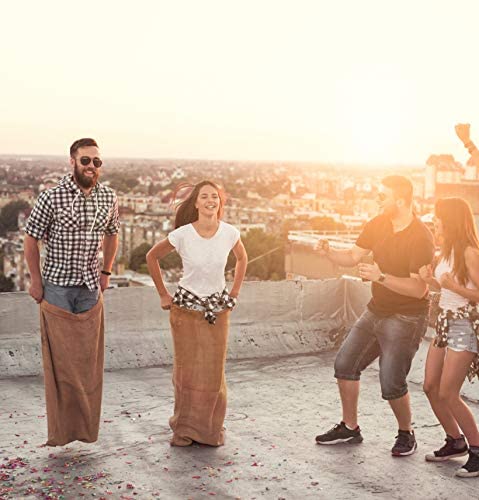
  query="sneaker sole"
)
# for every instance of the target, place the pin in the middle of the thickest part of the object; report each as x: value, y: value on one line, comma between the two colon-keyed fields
x: 460, y: 473
x: 351, y: 440
x: 433, y: 458
x: 405, y: 453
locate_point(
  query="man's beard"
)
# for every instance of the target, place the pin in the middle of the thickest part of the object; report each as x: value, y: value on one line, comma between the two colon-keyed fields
x: 83, y: 180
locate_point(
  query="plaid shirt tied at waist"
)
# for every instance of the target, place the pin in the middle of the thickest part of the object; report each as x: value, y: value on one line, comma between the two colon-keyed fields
x: 210, y: 305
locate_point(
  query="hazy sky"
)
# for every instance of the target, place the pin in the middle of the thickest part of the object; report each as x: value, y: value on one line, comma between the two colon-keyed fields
x: 354, y: 81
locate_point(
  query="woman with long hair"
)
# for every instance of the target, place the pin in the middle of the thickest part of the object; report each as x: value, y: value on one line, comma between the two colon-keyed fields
x: 453, y: 354
x: 199, y: 311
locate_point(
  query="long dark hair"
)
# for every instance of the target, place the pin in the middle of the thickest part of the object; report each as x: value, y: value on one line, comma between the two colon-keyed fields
x: 459, y: 232
x: 186, y: 212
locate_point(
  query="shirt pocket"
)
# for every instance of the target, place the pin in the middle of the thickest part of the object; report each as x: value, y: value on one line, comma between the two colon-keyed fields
x: 66, y: 220
x: 102, y: 219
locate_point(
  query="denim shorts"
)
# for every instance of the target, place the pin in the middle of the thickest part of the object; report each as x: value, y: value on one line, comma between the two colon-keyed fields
x: 74, y: 299
x: 461, y: 336
x: 394, y: 339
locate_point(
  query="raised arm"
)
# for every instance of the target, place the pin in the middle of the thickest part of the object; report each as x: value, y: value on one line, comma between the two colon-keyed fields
x: 463, y: 131
x: 349, y: 257
x: 158, y: 252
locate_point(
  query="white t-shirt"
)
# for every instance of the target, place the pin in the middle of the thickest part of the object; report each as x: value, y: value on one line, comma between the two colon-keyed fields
x: 204, y: 259
x: 449, y: 299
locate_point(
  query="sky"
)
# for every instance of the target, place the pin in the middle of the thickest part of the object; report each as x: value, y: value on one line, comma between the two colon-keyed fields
x: 369, y: 82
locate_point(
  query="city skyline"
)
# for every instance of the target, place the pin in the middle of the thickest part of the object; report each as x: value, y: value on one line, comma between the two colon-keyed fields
x: 369, y: 84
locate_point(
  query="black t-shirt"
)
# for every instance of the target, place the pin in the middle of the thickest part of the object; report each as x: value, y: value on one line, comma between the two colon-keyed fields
x: 398, y: 254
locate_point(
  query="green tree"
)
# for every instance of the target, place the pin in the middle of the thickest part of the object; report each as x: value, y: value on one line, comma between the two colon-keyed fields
x: 9, y: 215
x: 269, y: 248
x: 138, y: 256
x: 324, y: 223
x: 171, y: 261
x: 123, y: 183
x: 6, y: 284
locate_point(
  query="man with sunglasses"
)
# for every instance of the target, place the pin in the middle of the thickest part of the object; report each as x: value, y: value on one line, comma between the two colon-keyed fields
x: 395, y: 321
x: 76, y: 219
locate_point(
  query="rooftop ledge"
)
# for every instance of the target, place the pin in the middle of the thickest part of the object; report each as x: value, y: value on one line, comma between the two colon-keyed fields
x: 273, y: 319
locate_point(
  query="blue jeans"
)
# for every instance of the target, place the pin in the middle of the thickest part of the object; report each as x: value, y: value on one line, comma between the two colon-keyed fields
x: 395, y: 339
x: 461, y: 336
x: 75, y: 299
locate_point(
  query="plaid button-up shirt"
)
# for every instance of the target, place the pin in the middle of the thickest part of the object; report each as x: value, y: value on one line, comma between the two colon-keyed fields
x: 210, y: 305
x: 73, y: 227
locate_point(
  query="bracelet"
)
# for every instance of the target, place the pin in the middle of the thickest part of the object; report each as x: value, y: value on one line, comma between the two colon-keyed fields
x: 106, y: 273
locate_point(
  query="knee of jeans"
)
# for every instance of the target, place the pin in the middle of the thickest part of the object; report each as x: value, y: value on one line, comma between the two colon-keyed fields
x: 392, y: 387
x: 343, y: 368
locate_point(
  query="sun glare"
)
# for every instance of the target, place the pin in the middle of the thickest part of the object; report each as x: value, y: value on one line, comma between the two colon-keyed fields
x: 374, y: 112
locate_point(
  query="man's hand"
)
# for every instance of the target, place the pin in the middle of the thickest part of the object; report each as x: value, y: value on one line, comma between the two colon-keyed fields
x: 166, y: 301
x: 104, y: 282
x: 447, y: 281
x: 425, y: 273
x: 463, y: 132
x: 369, y: 272
x: 322, y: 247
x: 36, y: 291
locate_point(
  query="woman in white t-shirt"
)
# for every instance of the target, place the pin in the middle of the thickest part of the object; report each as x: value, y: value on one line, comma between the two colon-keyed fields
x: 199, y: 312
x: 453, y: 354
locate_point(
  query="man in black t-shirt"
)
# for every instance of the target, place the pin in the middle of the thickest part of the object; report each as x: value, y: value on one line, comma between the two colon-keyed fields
x: 395, y: 321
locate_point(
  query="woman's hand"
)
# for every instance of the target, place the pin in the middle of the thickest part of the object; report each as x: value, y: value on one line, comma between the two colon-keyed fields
x: 447, y: 281
x: 166, y: 301
x: 425, y: 273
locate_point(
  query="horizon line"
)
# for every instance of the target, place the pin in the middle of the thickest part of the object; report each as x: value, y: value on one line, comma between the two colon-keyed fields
x: 168, y: 158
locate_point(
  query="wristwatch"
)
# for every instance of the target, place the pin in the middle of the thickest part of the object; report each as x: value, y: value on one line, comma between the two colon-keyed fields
x: 381, y: 278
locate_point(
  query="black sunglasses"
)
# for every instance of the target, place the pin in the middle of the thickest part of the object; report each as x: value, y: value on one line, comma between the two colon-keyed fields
x: 85, y: 160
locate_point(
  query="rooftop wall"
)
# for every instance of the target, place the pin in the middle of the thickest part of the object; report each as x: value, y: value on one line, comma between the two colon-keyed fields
x: 271, y: 319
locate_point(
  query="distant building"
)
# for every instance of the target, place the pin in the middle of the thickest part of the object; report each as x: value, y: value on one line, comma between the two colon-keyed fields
x: 441, y: 169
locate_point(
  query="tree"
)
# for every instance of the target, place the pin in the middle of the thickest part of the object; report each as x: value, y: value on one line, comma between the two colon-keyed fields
x: 270, y: 250
x: 324, y: 223
x: 138, y: 256
x: 9, y: 215
x: 6, y: 284
x: 171, y: 261
x: 123, y: 183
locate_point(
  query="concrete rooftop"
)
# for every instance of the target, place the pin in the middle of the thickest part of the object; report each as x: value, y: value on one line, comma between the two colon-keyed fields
x: 281, y: 395
x: 276, y: 407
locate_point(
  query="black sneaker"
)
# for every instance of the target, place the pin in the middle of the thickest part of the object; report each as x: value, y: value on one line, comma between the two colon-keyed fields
x: 405, y: 444
x: 452, y: 449
x: 340, y: 434
x: 471, y: 467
